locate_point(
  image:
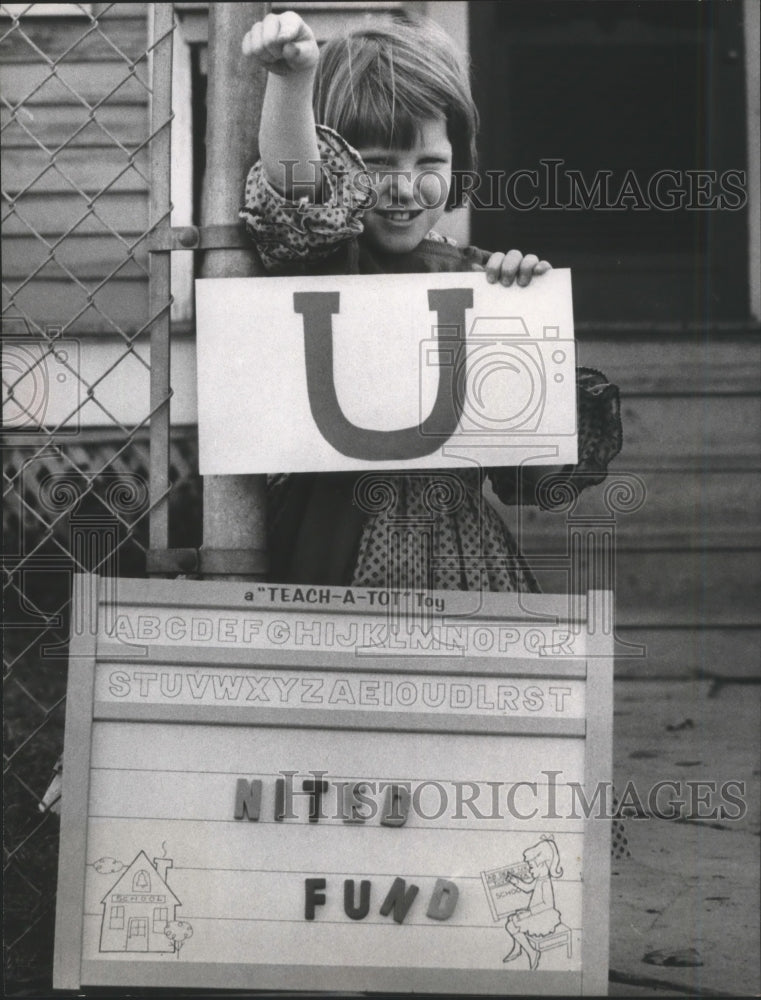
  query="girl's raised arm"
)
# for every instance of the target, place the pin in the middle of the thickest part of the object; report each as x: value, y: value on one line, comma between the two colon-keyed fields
x: 286, y: 46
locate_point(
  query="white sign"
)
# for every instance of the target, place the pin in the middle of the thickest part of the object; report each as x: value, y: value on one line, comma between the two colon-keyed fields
x: 354, y: 372
x: 269, y: 787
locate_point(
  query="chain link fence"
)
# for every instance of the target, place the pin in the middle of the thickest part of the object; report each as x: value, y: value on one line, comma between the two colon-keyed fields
x: 86, y: 113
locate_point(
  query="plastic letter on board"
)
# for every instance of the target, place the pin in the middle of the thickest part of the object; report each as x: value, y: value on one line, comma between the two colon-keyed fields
x: 396, y: 805
x: 400, y: 900
x: 352, y: 801
x: 312, y: 896
x: 361, y: 911
x: 443, y: 900
x: 315, y: 789
x: 279, y: 799
x: 248, y: 799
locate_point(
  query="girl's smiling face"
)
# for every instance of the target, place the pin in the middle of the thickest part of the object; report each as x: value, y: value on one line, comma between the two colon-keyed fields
x: 411, y: 188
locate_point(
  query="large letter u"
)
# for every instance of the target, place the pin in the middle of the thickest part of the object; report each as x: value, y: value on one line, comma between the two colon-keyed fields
x: 317, y: 308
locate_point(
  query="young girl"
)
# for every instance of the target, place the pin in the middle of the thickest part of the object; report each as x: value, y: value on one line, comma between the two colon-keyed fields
x: 361, y: 192
x: 541, y: 917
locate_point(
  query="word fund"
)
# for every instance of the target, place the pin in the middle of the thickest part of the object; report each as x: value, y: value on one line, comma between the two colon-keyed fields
x: 398, y: 901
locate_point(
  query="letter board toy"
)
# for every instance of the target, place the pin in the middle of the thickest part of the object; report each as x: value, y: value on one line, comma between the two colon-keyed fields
x: 341, y: 373
x: 330, y: 788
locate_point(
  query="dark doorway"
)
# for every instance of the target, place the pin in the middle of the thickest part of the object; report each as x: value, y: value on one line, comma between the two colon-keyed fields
x: 616, y: 93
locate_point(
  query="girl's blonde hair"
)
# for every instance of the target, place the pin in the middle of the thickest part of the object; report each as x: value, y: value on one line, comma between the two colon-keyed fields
x: 375, y: 84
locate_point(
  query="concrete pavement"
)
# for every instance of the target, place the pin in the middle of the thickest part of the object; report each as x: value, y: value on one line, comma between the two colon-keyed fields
x: 692, y: 882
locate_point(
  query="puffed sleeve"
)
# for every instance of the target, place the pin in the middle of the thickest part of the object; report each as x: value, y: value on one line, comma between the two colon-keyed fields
x: 600, y: 436
x: 287, y: 232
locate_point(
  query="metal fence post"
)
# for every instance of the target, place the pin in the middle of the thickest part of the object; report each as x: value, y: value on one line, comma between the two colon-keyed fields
x: 234, y: 507
x: 161, y: 27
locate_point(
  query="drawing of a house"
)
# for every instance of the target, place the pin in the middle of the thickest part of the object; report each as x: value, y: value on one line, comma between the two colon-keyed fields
x: 137, y: 908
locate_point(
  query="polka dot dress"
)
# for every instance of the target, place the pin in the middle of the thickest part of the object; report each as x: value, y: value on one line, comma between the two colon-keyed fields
x: 437, y: 532
x: 288, y: 232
